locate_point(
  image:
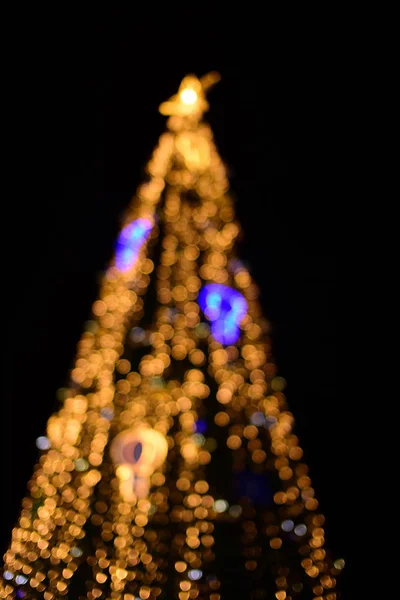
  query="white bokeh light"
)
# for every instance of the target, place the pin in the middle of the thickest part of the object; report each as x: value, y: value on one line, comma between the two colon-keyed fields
x: 221, y: 506
x: 195, y: 574
x: 43, y: 443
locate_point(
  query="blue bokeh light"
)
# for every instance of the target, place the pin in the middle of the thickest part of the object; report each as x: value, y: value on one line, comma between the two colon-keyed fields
x: 201, y: 426
x: 225, y: 308
x: 129, y: 242
x: 258, y: 418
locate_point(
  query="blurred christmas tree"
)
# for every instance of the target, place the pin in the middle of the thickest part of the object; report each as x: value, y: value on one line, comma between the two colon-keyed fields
x: 171, y: 469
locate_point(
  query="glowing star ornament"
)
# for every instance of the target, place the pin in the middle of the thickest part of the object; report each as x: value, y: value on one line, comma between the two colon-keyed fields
x: 190, y: 100
x: 136, y: 453
x: 225, y: 308
x: 130, y: 240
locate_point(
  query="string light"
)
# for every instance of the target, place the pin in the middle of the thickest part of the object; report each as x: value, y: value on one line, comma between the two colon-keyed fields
x: 122, y: 484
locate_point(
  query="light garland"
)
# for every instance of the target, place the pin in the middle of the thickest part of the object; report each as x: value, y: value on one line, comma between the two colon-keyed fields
x: 108, y: 510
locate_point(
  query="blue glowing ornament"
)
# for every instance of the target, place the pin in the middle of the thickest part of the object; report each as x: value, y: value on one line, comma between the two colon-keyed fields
x: 225, y: 308
x: 129, y: 242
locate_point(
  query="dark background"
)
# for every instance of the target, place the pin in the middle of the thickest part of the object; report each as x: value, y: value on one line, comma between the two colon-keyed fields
x: 86, y: 123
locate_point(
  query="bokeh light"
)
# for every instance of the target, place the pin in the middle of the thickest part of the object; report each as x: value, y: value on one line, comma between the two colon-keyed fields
x: 225, y: 308
x: 130, y: 240
x: 43, y: 443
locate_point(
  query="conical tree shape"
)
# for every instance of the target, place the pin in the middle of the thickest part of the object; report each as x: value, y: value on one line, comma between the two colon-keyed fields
x: 171, y: 469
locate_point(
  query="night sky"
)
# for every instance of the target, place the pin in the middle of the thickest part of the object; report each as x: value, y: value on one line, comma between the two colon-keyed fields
x: 87, y: 126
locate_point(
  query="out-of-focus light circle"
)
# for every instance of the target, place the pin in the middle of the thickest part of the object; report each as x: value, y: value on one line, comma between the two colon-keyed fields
x: 221, y: 506
x: 278, y: 384
x: 211, y: 444
x: 107, y: 413
x: 287, y: 525
x: 202, y: 330
x: 157, y: 382
x: 62, y: 394
x: 91, y: 326
x: 75, y: 551
x: 180, y: 566
x: 198, y: 439
x: 300, y: 530
x: 188, y: 96
x: 137, y: 335
x: 8, y: 575
x: 235, y: 511
x: 195, y: 574
x: 20, y: 580
x: 339, y: 564
x: 81, y: 464
x: 201, y: 426
x: 258, y: 418
x: 43, y: 442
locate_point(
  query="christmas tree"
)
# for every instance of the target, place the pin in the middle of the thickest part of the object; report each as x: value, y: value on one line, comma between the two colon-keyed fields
x: 171, y: 469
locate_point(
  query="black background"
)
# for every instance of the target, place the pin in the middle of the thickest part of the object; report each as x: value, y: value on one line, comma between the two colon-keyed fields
x: 89, y: 86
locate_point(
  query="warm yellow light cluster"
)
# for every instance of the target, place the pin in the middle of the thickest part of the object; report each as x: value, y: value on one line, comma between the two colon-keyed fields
x: 78, y: 433
x: 135, y: 373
